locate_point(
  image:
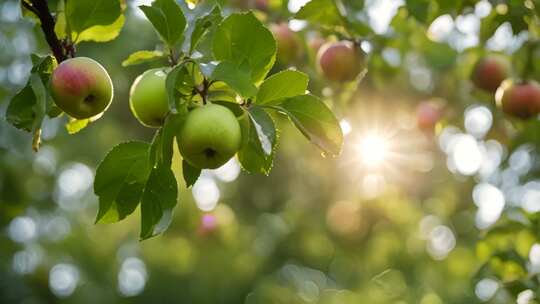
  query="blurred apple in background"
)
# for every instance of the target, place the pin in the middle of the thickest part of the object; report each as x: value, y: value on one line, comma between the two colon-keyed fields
x: 519, y: 99
x: 490, y: 71
x: 340, y: 61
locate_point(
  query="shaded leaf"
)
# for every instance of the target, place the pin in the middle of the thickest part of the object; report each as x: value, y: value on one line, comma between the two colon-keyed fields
x: 190, y: 173
x: 236, y: 77
x: 120, y: 180
x: 243, y: 40
x: 168, y: 20
x: 258, y: 141
x: 321, y: 12
x: 158, y: 200
x: 205, y: 27
x: 316, y: 121
x: 20, y: 112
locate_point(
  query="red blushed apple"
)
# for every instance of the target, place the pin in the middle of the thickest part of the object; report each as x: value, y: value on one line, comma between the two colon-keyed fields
x: 490, y: 71
x: 340, y: 61
x: 428, y: 114
x: 81, y: 87
x: 519, y: 99
x: 289, y: 47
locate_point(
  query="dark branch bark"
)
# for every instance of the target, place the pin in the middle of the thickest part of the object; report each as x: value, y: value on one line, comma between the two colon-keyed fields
x: 41, y: 9
x: 29, y: 7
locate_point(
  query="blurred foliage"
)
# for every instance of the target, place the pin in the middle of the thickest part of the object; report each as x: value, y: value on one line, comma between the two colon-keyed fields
x: 316, y: 230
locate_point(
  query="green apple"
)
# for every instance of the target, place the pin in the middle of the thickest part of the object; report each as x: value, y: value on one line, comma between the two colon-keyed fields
x: 81, y: 87
x: 148, y: 97
x: 490, y: 71
x: 340, y: 61
x: 519, y: 99
x: 210, y: 136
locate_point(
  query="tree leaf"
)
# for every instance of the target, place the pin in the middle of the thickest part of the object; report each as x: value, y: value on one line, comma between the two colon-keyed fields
x: 120, y: 180
x: 316, y: 121
x: 258, y: 141
x: 281, y: 85
x: 143, y: 57
x: 180, y: 83
x: 168, y: 20
x: 20, y: 112
x: 75, y: 125
x: 205, y: 27
x: 103, y: 33
x: 242, y: 39
x: 190, y: 173
x: 321, y: 12
x: 158, y: 200
x: 84, y: 14
x: 161, y: 150
x: 238, y: 78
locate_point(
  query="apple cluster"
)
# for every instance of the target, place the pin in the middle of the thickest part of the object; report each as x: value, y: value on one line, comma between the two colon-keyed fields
x: 518, y: 98
x: 338, y: 61
x: 210, y: 134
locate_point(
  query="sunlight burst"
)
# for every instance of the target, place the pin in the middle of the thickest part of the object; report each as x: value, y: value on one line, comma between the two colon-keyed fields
x: 373, y: 149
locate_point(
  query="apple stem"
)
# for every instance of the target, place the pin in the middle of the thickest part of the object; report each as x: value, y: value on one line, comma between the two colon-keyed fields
x: 41, y: 10
x: 172, y: 58
x: 36, y: 139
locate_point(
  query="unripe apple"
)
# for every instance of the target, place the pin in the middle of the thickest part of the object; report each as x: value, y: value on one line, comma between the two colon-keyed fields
x: 340, y: 61
x: 81, y: 87
x: 210, y: 136
x: 490, y: 71
x: 519, y: 99
x: 148, y: 98
x: 289, y: 47
x: 428, y: 114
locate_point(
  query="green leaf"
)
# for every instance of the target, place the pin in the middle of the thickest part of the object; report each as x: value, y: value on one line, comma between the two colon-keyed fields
x: 419, y: 9
x: 180, y: 83
x: 84, y: 14
x: 20, y: 112
x: 284, y: 84
x: 321, y: 12
x: 205, y: 27
x: 158, y: 200
x: 120, y: 180
x: 168, y: 20
x: 29, y: 106
x: 143, y: 57
x: 161, y: 150
x: 238, y: 78
x: 258, y: 141
x: 190, y: 173
x: 316, y: 121
x: 103, y: 33
x: 75, y: 125
x: 243, y: 40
